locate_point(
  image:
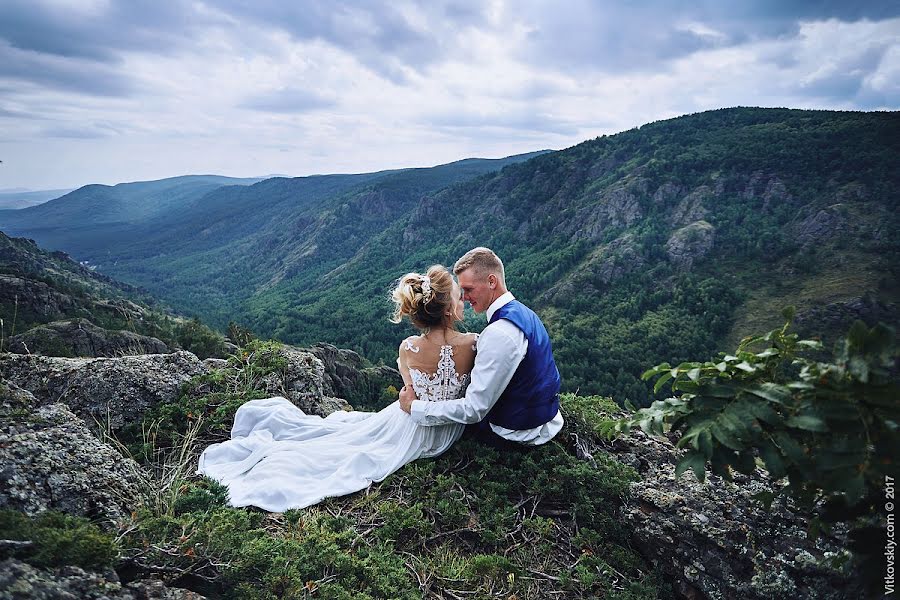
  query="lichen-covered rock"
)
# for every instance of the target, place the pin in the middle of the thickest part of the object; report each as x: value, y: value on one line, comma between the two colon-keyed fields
x: 718, y: 543
x: 690, y: 243
x: 303, y: 382
x: 346, y: 377
x: 80, y: 337
x: 117, y: 391
x: 50, y: 460
x: 21, y: 580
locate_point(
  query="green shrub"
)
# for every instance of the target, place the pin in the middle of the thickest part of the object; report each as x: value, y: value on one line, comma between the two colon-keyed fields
x: 829, y: 428
x: 57, y: 539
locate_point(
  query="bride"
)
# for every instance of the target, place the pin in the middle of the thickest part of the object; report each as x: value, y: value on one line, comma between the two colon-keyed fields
x: 278, y: 457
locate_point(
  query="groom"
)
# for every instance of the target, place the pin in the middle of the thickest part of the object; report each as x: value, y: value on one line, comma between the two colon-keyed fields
x: 513, y: 396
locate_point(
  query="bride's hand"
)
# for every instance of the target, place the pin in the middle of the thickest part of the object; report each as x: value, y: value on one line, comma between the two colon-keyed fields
x: 407, y: 395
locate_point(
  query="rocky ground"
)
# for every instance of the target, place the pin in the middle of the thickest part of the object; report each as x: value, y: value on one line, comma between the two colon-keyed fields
x: 710, y: 538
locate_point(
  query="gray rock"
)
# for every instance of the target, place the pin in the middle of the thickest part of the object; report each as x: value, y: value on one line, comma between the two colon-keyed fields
x: 346, y: 377
x: 51, y: 461
x: 775, y: 193
x: 304, y: 383
x: 80, y: 337
x: 822, y: 225
x: 615, y: 207
x: 21, y: 580
x: 34, y: 297
x: 717, y: 542
x: 117, y: 390
x: 608, y: 263
x: 691, y: 208
x: 690, y: 243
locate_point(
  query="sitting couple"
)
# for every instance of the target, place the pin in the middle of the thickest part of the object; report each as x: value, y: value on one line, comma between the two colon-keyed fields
x: 503, y: 384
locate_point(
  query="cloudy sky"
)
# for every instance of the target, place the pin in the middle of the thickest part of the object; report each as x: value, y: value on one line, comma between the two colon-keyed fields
x: 106, y: 91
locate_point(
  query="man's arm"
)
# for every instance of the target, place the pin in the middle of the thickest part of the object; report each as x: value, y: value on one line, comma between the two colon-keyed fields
x: 501, y: 348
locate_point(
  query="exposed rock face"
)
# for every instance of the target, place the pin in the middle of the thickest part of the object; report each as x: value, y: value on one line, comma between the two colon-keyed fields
x: 616, y: 207
x: 838, y: 316
x: 80, y: 337
x: 118, y: 389
x: 690, y: 243
x: 691, y: 208
x: 821, y: 226
x: 714, y: 540
x: 346, y: 377
x: 303, y: 382
x: 34, y: 297
x: 607, y: 264
x: 21, y: 580
x: 51, y: 461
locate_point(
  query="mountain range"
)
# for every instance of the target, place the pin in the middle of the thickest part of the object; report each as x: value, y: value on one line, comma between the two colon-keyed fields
x: 666, y: 242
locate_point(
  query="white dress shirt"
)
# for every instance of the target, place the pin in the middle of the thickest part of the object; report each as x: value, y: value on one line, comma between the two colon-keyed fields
x: 501, y: 347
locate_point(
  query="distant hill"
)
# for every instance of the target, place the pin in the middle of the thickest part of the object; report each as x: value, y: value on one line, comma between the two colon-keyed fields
x: 52, y: 305
x: 13, y: 199
x: 88, y: 216
x: 667, y: 242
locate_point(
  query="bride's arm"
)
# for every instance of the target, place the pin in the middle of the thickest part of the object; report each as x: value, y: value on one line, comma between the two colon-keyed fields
x: 402, y: 366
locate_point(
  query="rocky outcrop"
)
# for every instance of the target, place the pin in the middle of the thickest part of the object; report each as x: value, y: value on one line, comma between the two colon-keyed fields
x: 117, y: 391
x: 305, y: 383
x: 80, y: 337
x: 52, y: 461
x: 607, y: 264
x: 346, y: 376
x: 715, y: 541
x: 690, y: 243
x: 692, y: 207
x: 839, y: 316
x: 21, y: 580
x: 35, y: 297
x: 616, y: 207
x: 821, y: 226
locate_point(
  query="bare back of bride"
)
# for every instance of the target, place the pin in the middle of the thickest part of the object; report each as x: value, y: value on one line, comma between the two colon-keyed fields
x: 279, y: 458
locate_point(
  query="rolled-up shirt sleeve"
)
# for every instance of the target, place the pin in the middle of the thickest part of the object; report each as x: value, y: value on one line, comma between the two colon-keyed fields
x: 501, y: 348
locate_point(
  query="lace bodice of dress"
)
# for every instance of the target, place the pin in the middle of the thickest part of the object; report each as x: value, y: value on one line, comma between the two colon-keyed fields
x: 444, y: 384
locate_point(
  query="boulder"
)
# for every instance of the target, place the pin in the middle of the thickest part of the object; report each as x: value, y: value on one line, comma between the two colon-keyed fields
x: 718, y: 543
x: 117, y: 391
x: 80, y: 337
x: 690, y: 243
x: 51, y: 461
x: 346, y: 376
x: 21, y: 580
x: 305, y: 383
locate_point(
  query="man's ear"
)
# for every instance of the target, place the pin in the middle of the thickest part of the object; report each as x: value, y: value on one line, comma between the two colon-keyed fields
x: 492, y: 280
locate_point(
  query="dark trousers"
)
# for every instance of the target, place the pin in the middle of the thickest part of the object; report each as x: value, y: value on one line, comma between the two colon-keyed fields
x: 482, y: 433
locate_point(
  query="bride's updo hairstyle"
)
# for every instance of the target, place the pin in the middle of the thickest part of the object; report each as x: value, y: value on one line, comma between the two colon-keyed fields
x: 425, y: 299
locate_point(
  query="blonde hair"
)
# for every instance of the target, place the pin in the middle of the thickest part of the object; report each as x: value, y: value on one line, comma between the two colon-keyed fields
x: 483, y: 261
x: 423, y: 306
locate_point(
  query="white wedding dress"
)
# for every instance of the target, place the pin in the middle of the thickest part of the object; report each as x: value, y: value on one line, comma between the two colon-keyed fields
x: 279, y: 458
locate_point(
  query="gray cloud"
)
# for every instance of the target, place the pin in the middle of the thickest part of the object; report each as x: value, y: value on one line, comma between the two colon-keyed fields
x: 519, y: 120
x: 288, y: 101
x: 89, y: 132
x: 142, y: 25
x: 377, y: 34
x: 63, y: 73
x: 615, y: 38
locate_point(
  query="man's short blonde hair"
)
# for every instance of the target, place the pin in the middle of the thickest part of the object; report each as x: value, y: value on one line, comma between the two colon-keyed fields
x: 483, y: 261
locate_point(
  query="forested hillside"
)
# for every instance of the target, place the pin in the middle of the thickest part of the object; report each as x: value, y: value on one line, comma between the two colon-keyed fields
x: 662, y: 243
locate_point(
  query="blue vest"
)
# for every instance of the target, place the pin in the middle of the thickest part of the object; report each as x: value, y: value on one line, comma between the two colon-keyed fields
x: 532, y: 396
